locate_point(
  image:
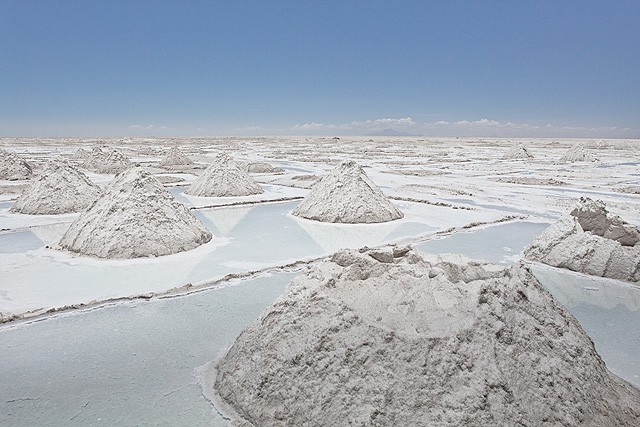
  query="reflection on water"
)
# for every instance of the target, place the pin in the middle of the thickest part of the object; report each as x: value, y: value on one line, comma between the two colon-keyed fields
x: 502, y: 243
x: 19, y: 241
x: 139, y: 370
x: 223, y: 221
x: 144, y: 368
x: 332, y: 237
x: 608, y: 310
x: 246, y: 238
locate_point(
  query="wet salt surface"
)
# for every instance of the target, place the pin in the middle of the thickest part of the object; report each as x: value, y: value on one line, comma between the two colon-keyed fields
x: 144, y: 366
x: 501, y: 208
x: 608, y: 310
x: 502, y: 243
x: 125, y: 364
x: 18, y: 242
x: 246, y: 238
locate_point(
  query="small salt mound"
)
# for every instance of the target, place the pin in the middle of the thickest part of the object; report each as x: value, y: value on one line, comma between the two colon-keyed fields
x: 397, y: 338
x: 260, y: 167
x: 59, y: 188
x: 347, y: 195
x: 106, y: 160
x: 176, y: 158
x: 224, y: 178
x: 577, y: 153
x: 13, y: 167
x: 518, y: 152
x: 80, y: 154
x: 135, y: 217
x: 591, y: 241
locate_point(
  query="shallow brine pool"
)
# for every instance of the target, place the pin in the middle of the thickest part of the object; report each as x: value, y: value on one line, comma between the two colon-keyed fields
x: 139, y: 362
x: 246, y: 238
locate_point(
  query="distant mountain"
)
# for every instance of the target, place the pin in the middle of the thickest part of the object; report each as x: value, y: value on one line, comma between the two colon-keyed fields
x: 390, y: 132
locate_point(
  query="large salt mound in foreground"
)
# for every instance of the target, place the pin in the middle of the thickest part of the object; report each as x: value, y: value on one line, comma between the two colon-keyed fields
x: 224, y: 178
x: 347, y: 195
x: 135, y: 217
x: 417, y: 340
x: 13, y: 167
x: 590, y: 241
x: 59, y: 188
x: 176, y: 158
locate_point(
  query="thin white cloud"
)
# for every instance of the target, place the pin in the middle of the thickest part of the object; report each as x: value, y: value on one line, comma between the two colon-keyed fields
x: 312, y: 126
x: 148, y: 128
x: 491, y: 127
x: 355, y: 126
x: 141, y: 127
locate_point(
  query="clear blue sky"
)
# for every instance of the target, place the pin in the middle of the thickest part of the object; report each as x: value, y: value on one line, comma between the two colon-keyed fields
x: 504, y: 68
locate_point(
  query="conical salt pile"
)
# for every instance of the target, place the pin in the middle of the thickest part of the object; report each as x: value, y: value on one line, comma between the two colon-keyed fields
x: 591, y: 241
x: 59, y: 188
x: 518, y: 152
x: 13, y: 167
x: 347, y: 195
x: 106, y: 160
x: 135, y: 217
x: 223, y: 178
x: 398, y: 338
x: 80, y: 154
x: 176, y: 158
x: 577, y: 153
x: 260, y: 167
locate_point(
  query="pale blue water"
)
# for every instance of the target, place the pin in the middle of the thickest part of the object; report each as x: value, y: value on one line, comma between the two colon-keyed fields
x: 136, y: 363
x: 125, y: 364
x: 18, y: 242
x: 253, y: 237
x: 498, y: 243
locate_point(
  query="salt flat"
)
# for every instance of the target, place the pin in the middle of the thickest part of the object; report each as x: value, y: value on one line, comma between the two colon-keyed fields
x: 457, y: 195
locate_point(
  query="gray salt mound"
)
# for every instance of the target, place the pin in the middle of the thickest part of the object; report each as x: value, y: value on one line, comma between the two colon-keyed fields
x: 80, y: 154
x: 397, y: 338
x: 260, y: 167
x: 13, y: 167
x: 135, y: 217
x: 106, y: 160
x: 347, y: 195
x: 591, y: 241
x: 176, y: 158
x: 518, y: 152
x: 59, y: 188
x: 577, y: 153
x: 224, y: 178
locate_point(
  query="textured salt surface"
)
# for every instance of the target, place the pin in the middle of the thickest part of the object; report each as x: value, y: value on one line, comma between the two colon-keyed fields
x: 347, y: 195
x: 591, y: 241
x: 518, y: 152
x: 577, y: 153
x: 176, y: 158
x: 135, y: 217
x: 59, y: 188
x: 44, y: 278
x: 106, y: 160
x: 260, y: 167
x: 224, y: 178
x: 395, y: 338
x: 13, y: 167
